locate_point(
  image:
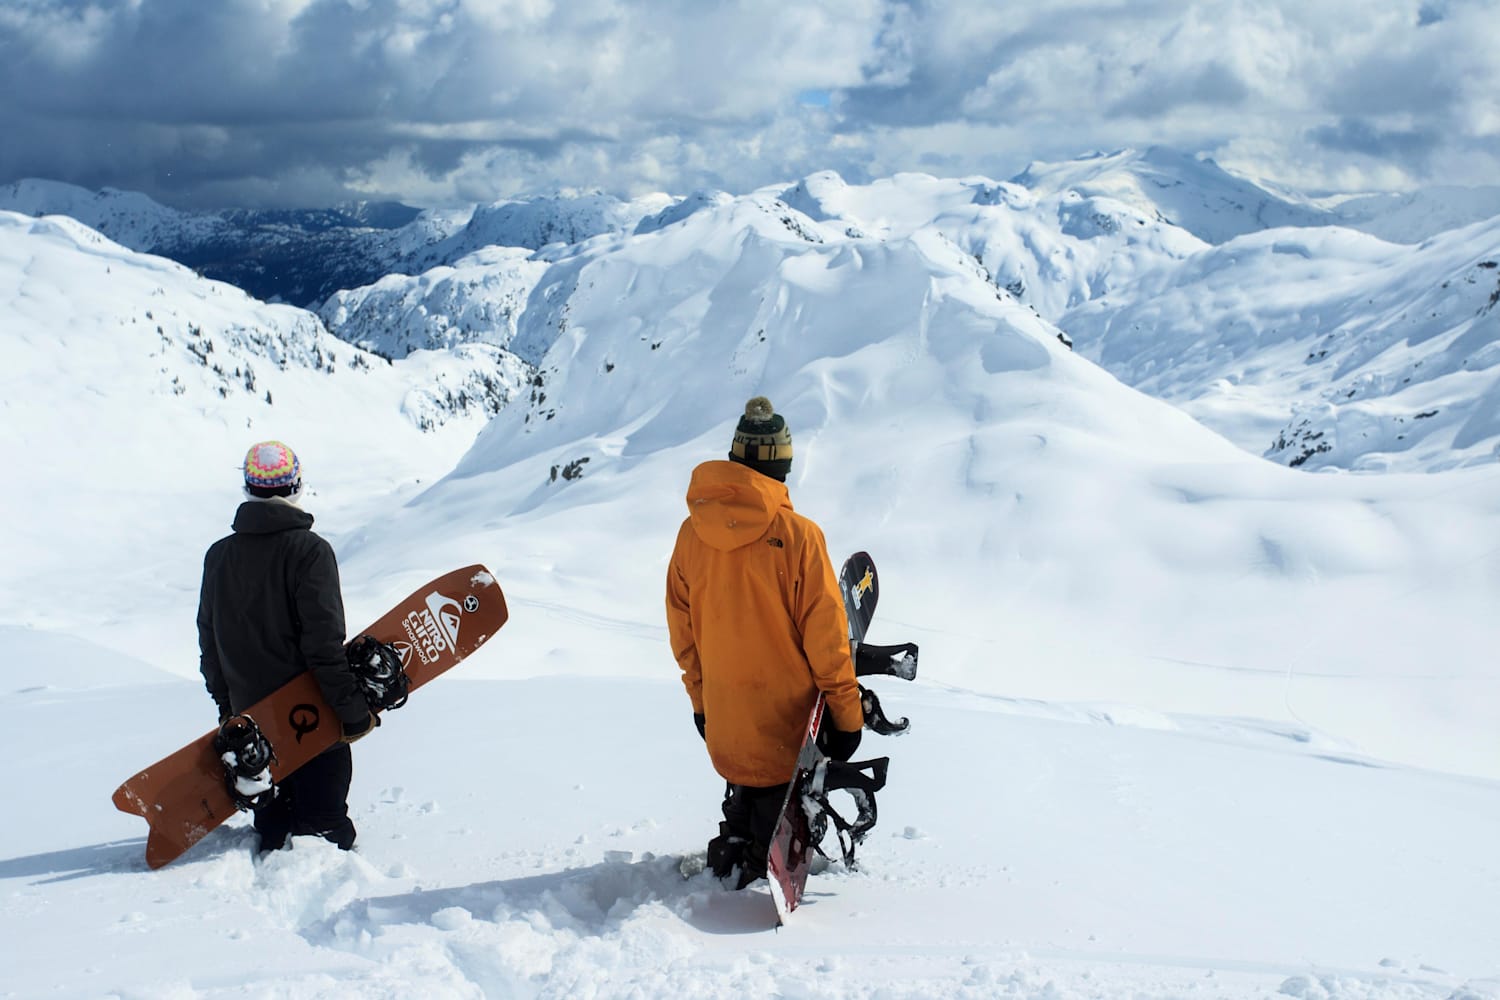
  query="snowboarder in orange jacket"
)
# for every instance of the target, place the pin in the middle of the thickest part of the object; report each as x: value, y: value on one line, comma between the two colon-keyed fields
x: 757, y: 626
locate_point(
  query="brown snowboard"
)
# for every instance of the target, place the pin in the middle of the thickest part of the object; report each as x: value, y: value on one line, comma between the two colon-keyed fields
x: 183, y: 796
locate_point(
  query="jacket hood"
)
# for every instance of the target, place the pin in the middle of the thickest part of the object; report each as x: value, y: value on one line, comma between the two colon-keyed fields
x: 731, y: 505
x: 261, y: 517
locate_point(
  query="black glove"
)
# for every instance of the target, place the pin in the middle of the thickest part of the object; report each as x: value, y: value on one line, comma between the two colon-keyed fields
x: 355, y: 730
x: 838, y: 744
x: 698, y: 721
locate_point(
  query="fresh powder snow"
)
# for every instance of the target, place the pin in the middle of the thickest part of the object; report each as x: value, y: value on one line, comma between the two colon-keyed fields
x: 1190, y: 721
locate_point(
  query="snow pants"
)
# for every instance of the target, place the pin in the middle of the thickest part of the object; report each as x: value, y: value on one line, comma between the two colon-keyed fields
x: 751, y: 813
x: 750, y: 816
x: 312, y: 801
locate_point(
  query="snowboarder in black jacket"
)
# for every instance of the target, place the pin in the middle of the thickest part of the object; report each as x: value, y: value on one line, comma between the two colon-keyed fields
x: 270, y: 608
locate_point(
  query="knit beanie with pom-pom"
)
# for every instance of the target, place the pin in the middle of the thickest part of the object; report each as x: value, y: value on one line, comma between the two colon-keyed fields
x: 762, y: 440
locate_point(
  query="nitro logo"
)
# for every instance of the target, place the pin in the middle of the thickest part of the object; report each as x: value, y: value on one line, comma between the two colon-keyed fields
x: 404, y: 650
x: 434, y: 630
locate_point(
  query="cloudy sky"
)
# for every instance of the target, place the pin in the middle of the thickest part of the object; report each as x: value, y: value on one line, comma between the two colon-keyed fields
x: 207, y: 103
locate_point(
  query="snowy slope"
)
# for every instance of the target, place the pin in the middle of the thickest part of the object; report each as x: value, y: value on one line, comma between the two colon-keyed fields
x: 1416, y: 215
x: 1216, y: 205
x: 1320, y: 347
x: 136, y: 385
x: 1049, y: 249
x: 1023, y: 851
x: 1189, y: 722
x: 1194, y: 194
x: 289, y: 255
x: 479, y: 299
x: 914, y: 386
x: 1317, y: 346
x: 126, y: 217
x: 537, y: 222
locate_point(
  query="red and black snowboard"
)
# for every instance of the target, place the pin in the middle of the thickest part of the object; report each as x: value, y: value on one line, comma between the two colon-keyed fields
x: 185, y: 795
x: 804, y: 812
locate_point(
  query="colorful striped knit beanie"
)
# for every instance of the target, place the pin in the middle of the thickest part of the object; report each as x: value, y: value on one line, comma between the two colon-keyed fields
x: 272, y: 470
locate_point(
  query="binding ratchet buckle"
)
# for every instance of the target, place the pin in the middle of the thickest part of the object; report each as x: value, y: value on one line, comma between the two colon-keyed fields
x: 247, y: 757
x: 378, y: 669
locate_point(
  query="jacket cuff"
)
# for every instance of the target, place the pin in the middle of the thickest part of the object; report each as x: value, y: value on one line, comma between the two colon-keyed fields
x: 846, y: 719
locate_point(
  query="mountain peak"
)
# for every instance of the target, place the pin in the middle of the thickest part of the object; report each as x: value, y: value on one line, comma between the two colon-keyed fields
x: 1192, y: 192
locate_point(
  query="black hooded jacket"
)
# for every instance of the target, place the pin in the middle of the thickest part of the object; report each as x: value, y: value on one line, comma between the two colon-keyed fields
x: 271, y: 608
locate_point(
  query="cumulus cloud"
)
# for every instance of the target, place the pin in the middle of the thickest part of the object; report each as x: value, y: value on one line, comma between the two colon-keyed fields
x: 309, y: 101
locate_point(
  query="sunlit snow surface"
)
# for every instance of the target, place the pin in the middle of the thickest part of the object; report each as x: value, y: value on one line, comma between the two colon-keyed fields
x: 1188, y: 722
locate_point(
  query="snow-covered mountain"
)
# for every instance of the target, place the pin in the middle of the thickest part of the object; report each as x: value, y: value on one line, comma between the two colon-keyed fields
x: 1416, y: 215
x: 538, y: 222
x: 1198, y: 195
x: 1322, y: 348
x: 1184, y: 281
x: 1316, y: 346
x: 478, y: 300
x: 618, y: 352
x: 292, y: 256
x: 1051, y: 250
x: 128, y: 218
x: 167, y: 331
x: 1189, y: 721
x: 1193, y: 194
x: 304, y: 256
x: 133, y: 381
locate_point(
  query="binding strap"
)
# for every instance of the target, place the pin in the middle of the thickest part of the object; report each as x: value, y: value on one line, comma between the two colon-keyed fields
x: 247, y: 757
x: 875, y: 717
x: 378, y: 669
x: 899, y: 660
x: 861, y: 780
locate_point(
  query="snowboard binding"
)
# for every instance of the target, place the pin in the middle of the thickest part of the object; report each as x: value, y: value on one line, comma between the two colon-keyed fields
x: 247, y: 757
x: 861, y: 780
x: 378, y: 669
x: 875, y: 718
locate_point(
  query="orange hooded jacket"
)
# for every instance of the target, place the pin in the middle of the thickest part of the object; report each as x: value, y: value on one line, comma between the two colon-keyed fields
x: 757, y: 623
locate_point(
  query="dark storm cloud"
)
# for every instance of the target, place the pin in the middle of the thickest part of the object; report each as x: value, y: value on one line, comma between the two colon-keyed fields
x: 1214, y: 85
x: 278, y: 101
x: 211, y: 90
x: 1368, y: 139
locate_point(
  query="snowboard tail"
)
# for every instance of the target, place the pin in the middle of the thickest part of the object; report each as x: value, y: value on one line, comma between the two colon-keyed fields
x: 791, y: 848
x: 184, y: 796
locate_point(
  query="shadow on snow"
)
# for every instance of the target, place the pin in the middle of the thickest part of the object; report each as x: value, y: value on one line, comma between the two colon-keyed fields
x: 78, y: 862
x: 585, y: 901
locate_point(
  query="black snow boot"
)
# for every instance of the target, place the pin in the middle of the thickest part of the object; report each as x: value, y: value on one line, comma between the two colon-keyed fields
x: 726, y: 852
